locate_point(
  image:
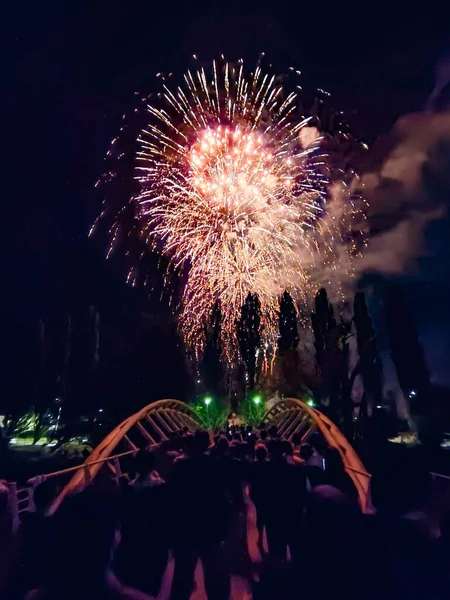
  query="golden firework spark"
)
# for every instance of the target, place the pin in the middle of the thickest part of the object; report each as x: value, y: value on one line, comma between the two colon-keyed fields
x: 233, y: 188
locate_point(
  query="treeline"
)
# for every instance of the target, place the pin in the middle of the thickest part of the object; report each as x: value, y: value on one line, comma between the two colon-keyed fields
x: 333, y: 358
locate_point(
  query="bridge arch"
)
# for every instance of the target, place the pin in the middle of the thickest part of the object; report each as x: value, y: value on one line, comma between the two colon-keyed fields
x: 292, y: 416
x: 148, y: 427
x: 155, y: 423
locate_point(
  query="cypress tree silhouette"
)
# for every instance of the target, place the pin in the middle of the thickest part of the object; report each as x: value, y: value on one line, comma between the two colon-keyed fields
x: 369, y: 365
x: 290, y: 373
x: 249, y: 336
x: 287, y: 320
x: 211, y: 366
x: 332, y: 360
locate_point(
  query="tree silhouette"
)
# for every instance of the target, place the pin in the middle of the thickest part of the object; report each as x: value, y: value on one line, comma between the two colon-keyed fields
x: 332, y: 361
x: 369, y: 365
x: 289, y: 372
x: 210, y: 365
x: 289, y: 338
x: 249, y: 336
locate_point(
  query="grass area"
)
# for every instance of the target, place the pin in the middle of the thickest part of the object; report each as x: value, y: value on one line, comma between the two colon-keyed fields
x: 28, y: 441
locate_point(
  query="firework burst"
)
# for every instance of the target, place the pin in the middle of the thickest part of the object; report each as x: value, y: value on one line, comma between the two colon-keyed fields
x: 234, y: 192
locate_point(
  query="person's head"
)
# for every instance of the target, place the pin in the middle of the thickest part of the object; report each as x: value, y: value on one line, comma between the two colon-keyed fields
x: 333, y: 460
x: 288, y: 450
x: 201, y: 441
x: 273, y: 431
x: 222, y: 446
x: 83, y: 532
x: 297, y: 438
x: 237, y: 437
x: 260, y: 453
x: 275, y: 448
x: 145, y: 462
x: 4, y: 496
x: 6, y: 521
x: 237, y: 449
x: 306, y: 451
x: 318, y: 443
x: 251, y: 441
x: 263, y: 435
x: 43, y: 494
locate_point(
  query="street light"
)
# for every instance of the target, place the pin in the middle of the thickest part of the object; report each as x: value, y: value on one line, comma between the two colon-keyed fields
x: 310, y: 403
x: 207, y: 400
x: 257, y: 399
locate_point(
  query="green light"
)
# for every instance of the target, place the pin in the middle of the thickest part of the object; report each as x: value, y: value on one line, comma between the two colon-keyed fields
x: 310, y: 403
x: 257, y: 399
x: 207, y: 400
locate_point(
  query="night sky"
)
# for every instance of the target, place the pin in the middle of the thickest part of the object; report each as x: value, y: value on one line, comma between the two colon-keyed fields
x: 69, y: 72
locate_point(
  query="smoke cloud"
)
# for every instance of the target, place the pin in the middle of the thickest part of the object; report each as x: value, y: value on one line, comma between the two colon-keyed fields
x: 407, y: 191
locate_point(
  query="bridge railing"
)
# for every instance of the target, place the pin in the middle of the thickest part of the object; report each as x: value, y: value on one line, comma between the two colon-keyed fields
x: 148, y: 427
x: 21, y: 497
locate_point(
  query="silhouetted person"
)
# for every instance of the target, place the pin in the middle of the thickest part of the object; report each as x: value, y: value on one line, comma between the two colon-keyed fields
x: 314, y: 473
x: 273, y: 432
x: 403, y: 545
x: 258, y: 491
x: 263, y: 436
x: 230, y: 462
x: 333, y: 558
x: 336, y: 475
x: 296, y: 474
x: 142, y: 556
x: 311, y: 457
x: 305, y: 452
x: 84, y: 532
x: 296, y: 443
x: 444, y: 550
x: 286, y: 490
x: 199, y: 517
x: 330, y: 564
x: 7, y: 541
x: 33, y: 538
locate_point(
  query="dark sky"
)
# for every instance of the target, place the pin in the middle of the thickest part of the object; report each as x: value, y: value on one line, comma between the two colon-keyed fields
x: 69, y: 71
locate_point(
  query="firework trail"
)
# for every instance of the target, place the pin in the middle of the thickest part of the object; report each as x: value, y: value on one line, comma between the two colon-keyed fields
x: 238, y: 193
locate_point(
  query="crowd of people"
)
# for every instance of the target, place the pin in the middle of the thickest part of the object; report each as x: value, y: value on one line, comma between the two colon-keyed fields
x: 189, y: 500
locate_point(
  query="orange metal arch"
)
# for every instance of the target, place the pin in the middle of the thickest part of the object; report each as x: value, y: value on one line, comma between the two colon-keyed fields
x: 336, y: 439
x: 95, y: 461
x: 166, y: 411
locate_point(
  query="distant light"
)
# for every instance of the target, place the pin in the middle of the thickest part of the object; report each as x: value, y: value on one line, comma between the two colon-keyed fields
x: 257, y: 399
x: 100, y: 410
x: 412, y: 394
x: 379, y: 406
x: 310, y: 403
x: 198, y: 380
x: 207, y: 400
